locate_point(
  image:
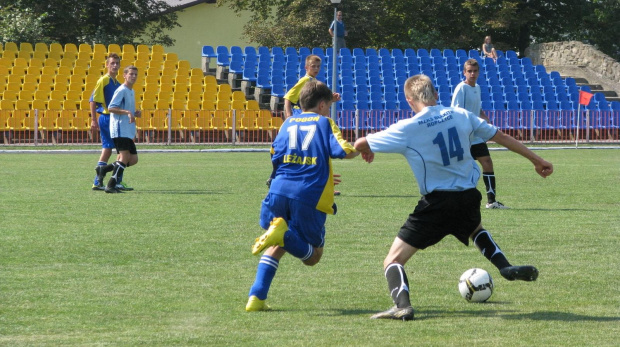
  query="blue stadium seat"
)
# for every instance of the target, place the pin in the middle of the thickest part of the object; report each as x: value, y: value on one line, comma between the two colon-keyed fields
x: 397, y: 52
x: 236, y: 50
x: 526, y: 61
x: 371, y: 51
x: 347, y: 105
x: 236, y: 67
x: 249, y: 73
x: 526, y: 105
x: 208, y: 51
x: 599, y: 97
x: 538, y: 105
x: 358, y: 52
x: 511, y: 54
x: 384, y: 53
x: 473, y: 53
x: 263, y: 81
x: 410, y: 52
x: 615, y: 105
x: 422, y: 52
x: 435, y: 52
x: 305, y: 51
x: 222, y: 50
x: 513, y: 105
x: 277, y: 50
x: 448, y: 53
x: 552, y: 105
x: 263, y: 50
x: 586, y: 89
x: 460, y: 53
x: 223, y: 59
x: 318, y: 51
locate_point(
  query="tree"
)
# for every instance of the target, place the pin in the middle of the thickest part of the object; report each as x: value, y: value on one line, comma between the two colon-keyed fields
x: 88, y: 21
x: 21, y: 25
x: 602, y: 25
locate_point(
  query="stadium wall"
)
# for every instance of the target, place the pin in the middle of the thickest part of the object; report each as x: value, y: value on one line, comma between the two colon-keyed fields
x: 575, y: 53
x: 207, y: 24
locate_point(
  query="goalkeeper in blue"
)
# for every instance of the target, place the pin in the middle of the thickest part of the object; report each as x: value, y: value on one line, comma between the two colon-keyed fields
x: 436, y: 145
x: 302, y: 193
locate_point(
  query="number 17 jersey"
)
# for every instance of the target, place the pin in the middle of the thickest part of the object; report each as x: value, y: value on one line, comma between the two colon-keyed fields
x: 436, y: 144
x: 302, y: 154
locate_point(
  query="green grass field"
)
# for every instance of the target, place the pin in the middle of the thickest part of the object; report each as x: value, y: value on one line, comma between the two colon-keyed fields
x: 170, y: 264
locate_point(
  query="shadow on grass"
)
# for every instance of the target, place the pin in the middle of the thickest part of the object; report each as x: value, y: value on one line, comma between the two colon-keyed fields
x: 554, y: 209
x: 379, y: 196
x: 499, y: 313
x: 180, y: 192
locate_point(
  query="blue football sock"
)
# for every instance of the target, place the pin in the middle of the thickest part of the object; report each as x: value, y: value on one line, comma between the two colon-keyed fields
x: 296, y: 246
x: 267, y: 267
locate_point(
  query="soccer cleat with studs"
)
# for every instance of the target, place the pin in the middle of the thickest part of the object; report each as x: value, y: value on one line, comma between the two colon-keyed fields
x: 99, y: 169
x: 272, y: 237
x: 522, y: 273
x: 404, y: 313
x: 255, y: 304
x: 123, y: 186
x: 98, y: 187
x: 496, y: 205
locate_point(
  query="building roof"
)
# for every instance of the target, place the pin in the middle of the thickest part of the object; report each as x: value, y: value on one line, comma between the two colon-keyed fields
x: 181, y: 4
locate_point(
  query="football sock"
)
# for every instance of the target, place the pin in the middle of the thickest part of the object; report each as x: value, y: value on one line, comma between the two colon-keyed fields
x: 267, y: 267
x: 490, y: 249
x: 119, y: 167
x: 398, y: 285
x: 296, y: 246
x: 489, y: 183
x: 100, y: 163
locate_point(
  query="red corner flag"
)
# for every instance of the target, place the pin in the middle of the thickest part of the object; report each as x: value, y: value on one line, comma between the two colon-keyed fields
x: 584, y: 97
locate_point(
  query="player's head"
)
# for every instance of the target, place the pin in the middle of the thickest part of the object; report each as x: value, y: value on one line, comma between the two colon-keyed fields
x: 471, y: 70
x: 316, y: 97
x: 339, y: 15
x: 313, y: 65
x: 113, y: 63
x: 487, y: 39
x: 130, y: 74
x: 420, y: 89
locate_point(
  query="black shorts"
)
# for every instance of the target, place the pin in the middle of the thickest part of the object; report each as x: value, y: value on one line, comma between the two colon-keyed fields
x: 479, y: 150
x: 125, y: 144
x: 442, y: 213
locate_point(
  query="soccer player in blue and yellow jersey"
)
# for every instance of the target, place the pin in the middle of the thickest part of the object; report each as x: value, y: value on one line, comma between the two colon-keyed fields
x: 99, y: 101
x: 302, y: 193
x: 436, y: 145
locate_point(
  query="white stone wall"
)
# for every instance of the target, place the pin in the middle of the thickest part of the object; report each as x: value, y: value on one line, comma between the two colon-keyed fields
x: 575, y: 53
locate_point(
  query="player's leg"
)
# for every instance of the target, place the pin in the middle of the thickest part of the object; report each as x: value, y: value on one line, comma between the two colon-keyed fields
x: 489, y: 248
x: 265, y: 272
x: 131, y: 159
x: 398, y: 284
x: 106, y: 150
x: 123, y: 147
x: 481, y: 153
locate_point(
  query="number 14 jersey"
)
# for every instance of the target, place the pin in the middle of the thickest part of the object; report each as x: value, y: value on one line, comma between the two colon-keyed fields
x: 436, y: 143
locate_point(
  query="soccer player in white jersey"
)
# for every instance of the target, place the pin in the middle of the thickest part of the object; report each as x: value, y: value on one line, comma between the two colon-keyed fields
x: 467, y: 95
x: 435, y: 143
x: 122, y: 129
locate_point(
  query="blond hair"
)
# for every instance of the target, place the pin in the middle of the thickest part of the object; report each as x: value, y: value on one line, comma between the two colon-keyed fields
x: 312, y: 59
x: 419, y: 88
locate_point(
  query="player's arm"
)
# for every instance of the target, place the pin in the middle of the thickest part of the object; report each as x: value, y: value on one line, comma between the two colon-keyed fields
x: 288, y: 108
x: 94, y: 124
x: 362, y: 146
x: 542, y: 167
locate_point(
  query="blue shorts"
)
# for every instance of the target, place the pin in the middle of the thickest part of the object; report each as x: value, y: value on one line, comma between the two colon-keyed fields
x: 303, y: 219
x: 104, y: 131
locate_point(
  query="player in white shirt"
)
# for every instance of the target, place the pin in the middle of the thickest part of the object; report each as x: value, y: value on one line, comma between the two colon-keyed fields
x: 467, y: 95
x: 436, y: 145
x: 122, y: 129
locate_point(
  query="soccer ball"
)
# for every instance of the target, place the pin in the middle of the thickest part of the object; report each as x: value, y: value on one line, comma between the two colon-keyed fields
x: 476, y: 285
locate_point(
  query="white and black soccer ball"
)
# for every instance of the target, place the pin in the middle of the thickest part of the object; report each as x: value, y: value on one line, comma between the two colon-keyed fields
x: 476, y: 285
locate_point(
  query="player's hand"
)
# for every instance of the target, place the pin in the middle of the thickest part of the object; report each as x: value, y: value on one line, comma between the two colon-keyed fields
x: 335, y: 97
x: 368, y: 157
x: 337, y: 179
x: 137, y: 114
x: 132, y: 119
x: 544, y: 168
x: 94, y: 125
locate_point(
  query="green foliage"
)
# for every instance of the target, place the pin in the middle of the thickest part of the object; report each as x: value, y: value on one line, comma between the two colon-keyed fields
x: 169, y: 264
x: 88, y: 21
x: 514, y: 24
x: 21, y: 25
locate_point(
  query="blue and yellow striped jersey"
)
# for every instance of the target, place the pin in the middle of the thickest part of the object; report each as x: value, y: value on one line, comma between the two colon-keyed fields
x: 103, y: 92
x: 302, y: 154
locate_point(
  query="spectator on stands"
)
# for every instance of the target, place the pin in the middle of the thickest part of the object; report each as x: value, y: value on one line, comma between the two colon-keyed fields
x: 341, y: 31
x: 488, y: 50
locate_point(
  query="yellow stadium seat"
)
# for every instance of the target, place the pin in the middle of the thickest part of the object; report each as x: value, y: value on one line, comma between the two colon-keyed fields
x: 84, y: 104
x: 54, y: 104
x: 148, y: 104
x: 178, y: 104
x: 7, y: 104
x: 143, y: 49
x: 41, y: 47
x: 62, y: 79
x: 145, y: 56
x: 208, y: 105
x: 49, y: 70
x: 68, y: 62
x: 114, y: 48
x: 193, y: 104
x: 36, y: 62
x: 166, y: 79
x: 51, y: 62
x: 223, y: 96
x: 224, y: 87
x: 19, y: 70
x: 82, y: 120
x: 21, y: 62
x: 90, y: 86
x: 181, y: 80
x: 209, y: 95
x: 42, y: 95
x: 162, y: 103
x: 56, y: 51
x: 26, y: 47
x: 100, y: 48
x: 33, y: 71
x: 57, y: 94
x: 94, y: 71
x: 13, y: 87
x: 238, y: 96
x: 38, y: 104
x: 194, y: 95
x: 65, y: 121
x: 171, y: 56
x: 195, y: 87
x: 157, y: 49
x: 27, y: 95
x: 237, y: 105
x: 180, y: 95
x: 222, y: 105
x: 22, y: 104
x: 39, y: 55
x: 129, y: 49
x: 6, y: 62
x: 166, y: 87
x: 83, y: 55
x: 209, y: 79
x: 9, y: 55
x: 83, y: 63
x: 10, y: 46
x: 15, y: 79
x: 73, y: 95
x: 24, y: 55
x: 70, y: 104
x: 31, y: 79
x: 184, y: 65
x: 252, y: 105
x: 276, y: 122
x: 63, y: 70
x: 86, y: 48
x: 71, y: 47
